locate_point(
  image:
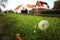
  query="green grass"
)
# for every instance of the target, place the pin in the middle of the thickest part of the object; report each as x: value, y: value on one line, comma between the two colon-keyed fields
x: 24, y: 25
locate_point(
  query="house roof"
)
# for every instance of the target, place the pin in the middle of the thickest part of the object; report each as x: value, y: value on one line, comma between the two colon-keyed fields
x: 39, y: 3
x: 30, y: 6
x: 19, y: 6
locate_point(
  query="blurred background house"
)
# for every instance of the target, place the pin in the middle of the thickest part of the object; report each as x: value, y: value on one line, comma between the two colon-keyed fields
x: 36, y: 8
x: 40, y: 6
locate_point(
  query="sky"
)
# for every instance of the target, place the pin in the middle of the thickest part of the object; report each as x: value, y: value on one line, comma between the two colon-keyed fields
x: 12, y: 4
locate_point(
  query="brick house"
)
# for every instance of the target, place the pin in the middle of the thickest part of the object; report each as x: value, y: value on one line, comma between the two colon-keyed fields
x: 40, y: 6
x: 37, y: 8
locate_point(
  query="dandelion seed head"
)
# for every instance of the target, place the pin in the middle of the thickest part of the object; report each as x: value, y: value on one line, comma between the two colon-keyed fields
x: 43, y: 25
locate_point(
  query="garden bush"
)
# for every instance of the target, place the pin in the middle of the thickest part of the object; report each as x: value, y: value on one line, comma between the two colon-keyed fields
x: 10, y: 11
x: 57, y: 11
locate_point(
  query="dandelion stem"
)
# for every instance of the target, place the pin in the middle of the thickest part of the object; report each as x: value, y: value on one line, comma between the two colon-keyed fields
x: 44, y: 34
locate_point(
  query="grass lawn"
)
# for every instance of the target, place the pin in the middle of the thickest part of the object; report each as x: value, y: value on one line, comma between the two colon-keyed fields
x: 25, y: 26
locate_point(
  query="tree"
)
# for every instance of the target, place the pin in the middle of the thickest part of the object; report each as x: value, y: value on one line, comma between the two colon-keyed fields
x: 2, y: 3
x: 56, y: 5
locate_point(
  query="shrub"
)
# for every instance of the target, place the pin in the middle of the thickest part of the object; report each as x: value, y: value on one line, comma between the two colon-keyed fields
x: 56, y: 5
x: 10, y: 11
x: 51, y: 12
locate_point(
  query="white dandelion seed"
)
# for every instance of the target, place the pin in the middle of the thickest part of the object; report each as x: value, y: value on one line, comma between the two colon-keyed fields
x: 34, y: 31
x: 43, y: 25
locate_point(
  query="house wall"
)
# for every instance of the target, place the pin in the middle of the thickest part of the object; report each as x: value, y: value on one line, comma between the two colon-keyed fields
x: 37, y: 11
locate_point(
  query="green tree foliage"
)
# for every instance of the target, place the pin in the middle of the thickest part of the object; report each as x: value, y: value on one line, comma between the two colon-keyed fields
x: 3, y: 0
x: 56, y: 5
x: 2, y: 3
